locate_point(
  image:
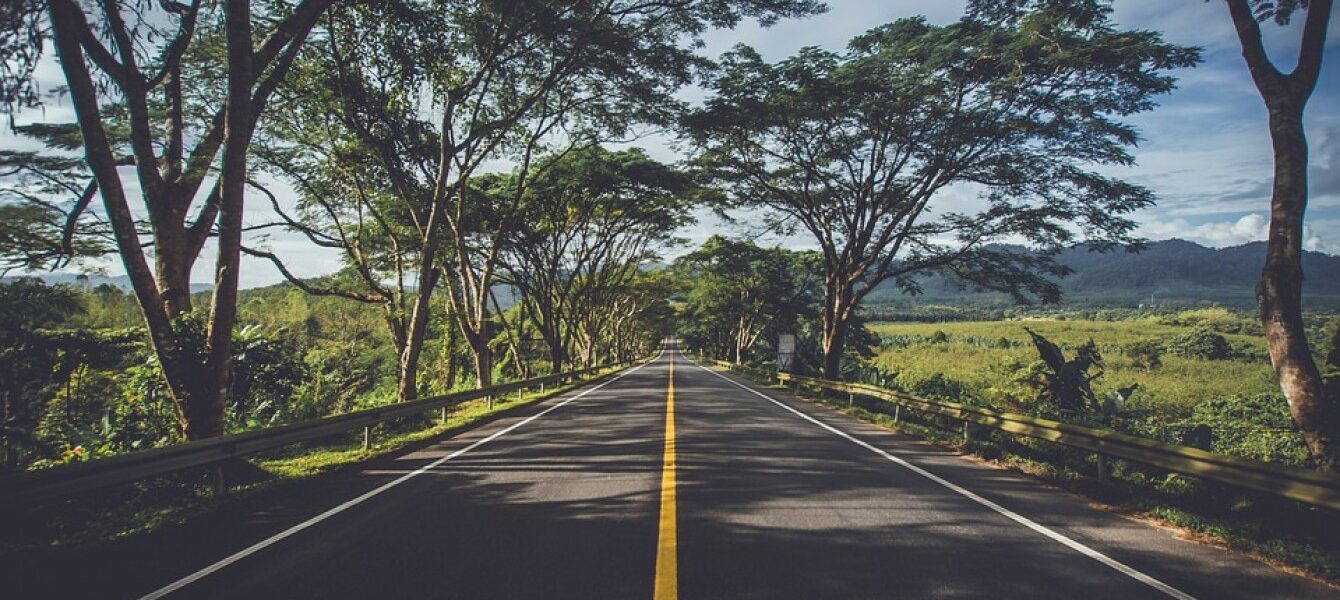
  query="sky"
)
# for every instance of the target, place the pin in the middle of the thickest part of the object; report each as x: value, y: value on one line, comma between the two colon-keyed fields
x: 1205, y: 150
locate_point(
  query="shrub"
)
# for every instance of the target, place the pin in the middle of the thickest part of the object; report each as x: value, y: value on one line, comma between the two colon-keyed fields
x: 1202, y: 343
x: 937, y: 386
x: 1216, y: 318
x: 1256, y: 427
x: 1065, y: 383
x: 1146, y: 354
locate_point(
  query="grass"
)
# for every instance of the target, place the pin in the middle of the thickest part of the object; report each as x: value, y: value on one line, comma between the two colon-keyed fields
x: 148, y: 505
x: 986, y: 359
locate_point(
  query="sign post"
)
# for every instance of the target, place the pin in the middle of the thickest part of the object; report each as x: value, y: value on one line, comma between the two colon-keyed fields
x: 786, y: 352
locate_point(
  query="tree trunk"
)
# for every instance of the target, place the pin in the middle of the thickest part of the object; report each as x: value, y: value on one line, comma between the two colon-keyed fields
x: 205, y: 411
x: 547, y: 324
x: 835, y: 337
x: 838, y: 299
x: 407, y: 386
x: 483, y: 366
x: 172, y: 267
x: 556, y: 358
x: 1315, y: 408
x: 1280, y: 295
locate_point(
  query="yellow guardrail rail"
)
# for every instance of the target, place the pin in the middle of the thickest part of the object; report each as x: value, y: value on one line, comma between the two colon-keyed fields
x: 1294, y: 483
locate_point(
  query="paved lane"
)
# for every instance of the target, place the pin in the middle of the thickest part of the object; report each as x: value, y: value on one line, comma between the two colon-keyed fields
x: 755, y: 495
x: 773, y: 505
x: 562, y: 506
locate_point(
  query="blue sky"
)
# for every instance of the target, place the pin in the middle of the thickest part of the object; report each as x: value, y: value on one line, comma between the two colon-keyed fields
x: 1206, y: 151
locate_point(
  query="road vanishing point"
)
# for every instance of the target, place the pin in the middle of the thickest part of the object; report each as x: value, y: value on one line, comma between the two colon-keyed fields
x: 669, y: 480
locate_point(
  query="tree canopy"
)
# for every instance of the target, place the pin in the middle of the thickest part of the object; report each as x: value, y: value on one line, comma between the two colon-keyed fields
x: 856, y: 148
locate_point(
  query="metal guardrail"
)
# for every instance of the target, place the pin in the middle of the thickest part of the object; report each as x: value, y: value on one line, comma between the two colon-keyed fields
x: 30, y: 487
x: 1294, y: 483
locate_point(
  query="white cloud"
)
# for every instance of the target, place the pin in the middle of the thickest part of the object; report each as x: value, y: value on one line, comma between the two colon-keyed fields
x: 1318, y: 236
x: 1249, y: 228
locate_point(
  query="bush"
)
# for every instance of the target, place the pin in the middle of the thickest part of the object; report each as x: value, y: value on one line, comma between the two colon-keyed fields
x: 937, y: 386
x: 1256, y: 427
x: 1146, y: 354
x: 1218, y: 319
x: 1201, y: 343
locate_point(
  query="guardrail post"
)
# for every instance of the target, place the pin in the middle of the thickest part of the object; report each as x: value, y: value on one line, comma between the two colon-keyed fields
x: 967, y: 433
x: 217, y: 487
x: 897, y: 412
x: 367, y: 437
x: 519, y: 394
x: 851, y: 399
x: 1102, y: 467
x: 490, y: 401
x: 541, y: 389
x: 444, y: 414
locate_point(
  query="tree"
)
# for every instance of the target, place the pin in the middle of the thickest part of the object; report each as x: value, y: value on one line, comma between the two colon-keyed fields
x: 41, y: 224
x: 429, y: 93
x: 1314, y: 402
x: 27, y: 306
x: 856, y: 148
x: 586, y: 213
x: 640, y: 315
x: 127, y: 66
x: 738, y: 292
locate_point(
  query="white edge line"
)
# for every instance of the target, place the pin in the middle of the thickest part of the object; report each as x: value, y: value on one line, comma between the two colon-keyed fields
x: 1016, y: 517
x: 261, y: 545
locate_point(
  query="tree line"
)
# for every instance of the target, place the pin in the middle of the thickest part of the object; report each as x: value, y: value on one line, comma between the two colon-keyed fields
x: 447, y: 149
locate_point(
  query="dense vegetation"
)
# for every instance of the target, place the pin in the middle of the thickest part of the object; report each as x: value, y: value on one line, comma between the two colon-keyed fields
x: 1169, y: 373
x: 80, y: 382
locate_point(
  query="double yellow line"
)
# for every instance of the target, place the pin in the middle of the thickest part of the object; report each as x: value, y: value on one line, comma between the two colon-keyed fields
x: 667, y: 547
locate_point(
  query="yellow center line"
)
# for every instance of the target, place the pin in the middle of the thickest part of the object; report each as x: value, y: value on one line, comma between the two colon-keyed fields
x: 667, y: 548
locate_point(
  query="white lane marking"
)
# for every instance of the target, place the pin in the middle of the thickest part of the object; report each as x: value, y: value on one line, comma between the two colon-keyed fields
x: 261, y: 545
x: 1016, y: 517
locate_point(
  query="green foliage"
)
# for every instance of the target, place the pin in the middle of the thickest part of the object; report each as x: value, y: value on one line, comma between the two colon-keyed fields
x: 739, y: 298
x: 1202, y: 343
x: 999, y: 374
x: 31, y: 362
x: 1066, y: 384
x: 1023, y: 107
x: 1146, y: 354
x: 584, y: 223
x: 1233, y: 404
x: 1256, y: 427
x: 267, y: 369
x: 1218, y: 319
x: 939, y: 387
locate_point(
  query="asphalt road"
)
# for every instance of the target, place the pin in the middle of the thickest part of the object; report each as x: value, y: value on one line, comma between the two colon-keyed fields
x: 772, y: 497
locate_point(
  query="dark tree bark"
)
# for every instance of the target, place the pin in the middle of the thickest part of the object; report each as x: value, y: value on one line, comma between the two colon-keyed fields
x: 169, y: 181
x: 1315, y: 409
x: 839, y: 301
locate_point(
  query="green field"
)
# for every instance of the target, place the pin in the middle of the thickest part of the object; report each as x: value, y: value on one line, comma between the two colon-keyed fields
x: 986, y: 360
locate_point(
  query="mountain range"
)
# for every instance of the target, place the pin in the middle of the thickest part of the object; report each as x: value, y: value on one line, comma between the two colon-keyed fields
x: 121, y: 282
x: 1168, y: 272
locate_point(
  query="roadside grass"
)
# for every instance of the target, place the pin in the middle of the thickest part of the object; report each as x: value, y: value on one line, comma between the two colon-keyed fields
x: 986, y: 359
x: 1287, y: 535
x: 148, y: 505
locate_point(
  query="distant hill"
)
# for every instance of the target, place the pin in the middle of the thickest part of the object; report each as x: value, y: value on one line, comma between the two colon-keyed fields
x: 121, y: 281
x: 1175, y: 272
